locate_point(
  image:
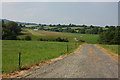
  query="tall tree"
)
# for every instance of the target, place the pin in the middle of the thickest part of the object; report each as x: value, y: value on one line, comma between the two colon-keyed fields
x: 10, y: 30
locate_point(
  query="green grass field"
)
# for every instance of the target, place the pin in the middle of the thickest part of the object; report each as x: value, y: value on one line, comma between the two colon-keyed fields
x: 112, y: 48
x: 73, y: 27
x: 30, y: 25
x: 33, y: 52
x: 88, y: 38
x: 47, y: 27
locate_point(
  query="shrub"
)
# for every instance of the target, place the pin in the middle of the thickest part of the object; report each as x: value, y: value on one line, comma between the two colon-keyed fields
x: 81, y: 41
x: 27, y: 38
x: 41, y: 39
x: 59, y: 39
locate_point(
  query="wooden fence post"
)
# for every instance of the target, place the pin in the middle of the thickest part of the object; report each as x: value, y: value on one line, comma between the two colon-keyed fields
x: 67, y: 46
x: 19, y: 60
x: 75, y: 44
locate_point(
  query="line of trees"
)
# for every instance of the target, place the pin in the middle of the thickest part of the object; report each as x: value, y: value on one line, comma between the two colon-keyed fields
x: 94, y: 30
x: 67, y: 25
x: 111, y: 36
x: 58, y: 39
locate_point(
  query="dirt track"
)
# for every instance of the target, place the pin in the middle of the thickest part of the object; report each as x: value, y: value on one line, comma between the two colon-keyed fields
x: 90, y: 62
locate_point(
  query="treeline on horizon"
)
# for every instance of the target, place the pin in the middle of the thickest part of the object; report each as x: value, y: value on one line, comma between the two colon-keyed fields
x: 83, y: 29
x: 111, y: 35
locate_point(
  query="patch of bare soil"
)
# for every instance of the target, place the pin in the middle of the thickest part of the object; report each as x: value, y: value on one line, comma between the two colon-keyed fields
x: 25, y: 32
x: 52, y: 33
x: 19, y: 73
x: 113, y: 55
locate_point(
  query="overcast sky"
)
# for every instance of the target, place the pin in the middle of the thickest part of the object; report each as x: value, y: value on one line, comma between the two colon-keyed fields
x: 59, y: 0
x: 89, y: 13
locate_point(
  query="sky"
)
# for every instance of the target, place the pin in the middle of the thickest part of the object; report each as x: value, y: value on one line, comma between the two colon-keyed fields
x: 88, y: 13
x: 59, y: 0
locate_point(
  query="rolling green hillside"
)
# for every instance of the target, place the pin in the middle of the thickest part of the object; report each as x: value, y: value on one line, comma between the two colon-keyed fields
x: 34, y: 51
x: 88, y: 38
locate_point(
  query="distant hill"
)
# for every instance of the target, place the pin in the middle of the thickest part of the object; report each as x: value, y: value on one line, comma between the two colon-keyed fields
x: 5, y: 20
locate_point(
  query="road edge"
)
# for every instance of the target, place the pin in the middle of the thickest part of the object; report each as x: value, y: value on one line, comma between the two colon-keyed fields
x: 111, y: 54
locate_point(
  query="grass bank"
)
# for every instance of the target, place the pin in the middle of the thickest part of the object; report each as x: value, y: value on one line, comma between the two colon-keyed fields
x: 33, y: 52
x: 112, y: 48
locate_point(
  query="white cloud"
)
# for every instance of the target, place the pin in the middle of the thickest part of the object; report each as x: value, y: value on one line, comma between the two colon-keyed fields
x: 60, y: 0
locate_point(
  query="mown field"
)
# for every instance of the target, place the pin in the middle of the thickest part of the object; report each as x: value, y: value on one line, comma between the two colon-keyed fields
x: 33, y: 52
x: 47, y: 27
x: 112, y: 48
x: 30, y: 25
x: 88, y: 38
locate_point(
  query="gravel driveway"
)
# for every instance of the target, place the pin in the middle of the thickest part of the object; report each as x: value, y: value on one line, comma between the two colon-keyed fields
x: 90, y: 62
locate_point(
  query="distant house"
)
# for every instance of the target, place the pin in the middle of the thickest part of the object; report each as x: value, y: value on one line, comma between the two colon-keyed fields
x: 35, y: 29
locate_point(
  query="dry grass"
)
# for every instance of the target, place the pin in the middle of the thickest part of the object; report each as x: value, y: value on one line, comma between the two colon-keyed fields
x: 51, y: 33
x: 30, y: 25
x: 113, y: 55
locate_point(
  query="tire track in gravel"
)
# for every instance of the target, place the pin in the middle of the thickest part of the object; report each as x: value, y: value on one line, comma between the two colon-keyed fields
x: 89, y: 62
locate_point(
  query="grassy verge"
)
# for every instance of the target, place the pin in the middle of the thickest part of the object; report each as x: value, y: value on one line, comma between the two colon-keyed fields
x: 112, y: 48
x: 33, y: 52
